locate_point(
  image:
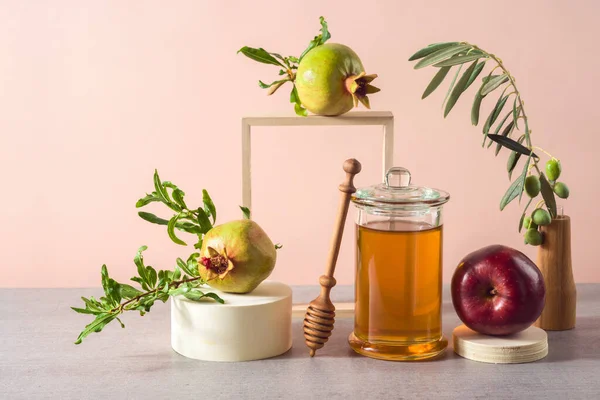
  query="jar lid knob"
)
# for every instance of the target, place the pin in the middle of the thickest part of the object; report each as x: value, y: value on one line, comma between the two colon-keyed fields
x: 397, y: 177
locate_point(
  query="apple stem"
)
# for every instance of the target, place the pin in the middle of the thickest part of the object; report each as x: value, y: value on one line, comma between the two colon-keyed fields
x: 493, y: 292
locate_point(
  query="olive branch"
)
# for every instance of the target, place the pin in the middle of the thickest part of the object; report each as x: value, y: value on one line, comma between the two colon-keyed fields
x: 448, y: 55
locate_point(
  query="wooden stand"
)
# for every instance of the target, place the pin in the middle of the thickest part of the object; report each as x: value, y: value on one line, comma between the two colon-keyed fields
x: 554, y: 260
x: 526, y: 346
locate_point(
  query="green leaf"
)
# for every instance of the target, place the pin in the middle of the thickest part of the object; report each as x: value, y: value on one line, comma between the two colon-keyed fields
x: 523, y: 215
x: 317, y: 40
x: 441, y: 55
x: 139, y: 262
x: 493, y: 83
x: 149, y: 198
x: 506, y: 132
x: 260, y: 55
x: 459, y: 88
x: 295, y: 99
x: 197, y: 295
x: 511, y: 144
x: 513, y: 191
x: 188, y: 227
x: 524, y: 173
x: 105, y: 279
x: 245, y: 211
x: 432, y: 48
x: 96, y: 325
x: 494, y: 113
x: 435, y: 82
x: 171, y: 231
x: 452, y: 85
x: 299, y: 110
x: 152, y: 276
x: 474, y: 74
x: 215, y: 297
x: 85, y: 311
x: 516, y: 113
x: 160, y: 190
x: 548, y: 195
x: 499, y: 126
x: 92, y: 304
x: 152, y: 218
x: 209, y: 206
x: 128, y: 292
x: 178, y: 197
x: 181, y: 264
x: 475, y: 109
x: 179, y: 291
x: 203, y: 220
x: 458, y: 60
x: 512, y: 162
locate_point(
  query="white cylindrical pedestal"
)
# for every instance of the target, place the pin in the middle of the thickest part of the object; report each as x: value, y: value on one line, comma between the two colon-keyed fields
x: 247, y: 327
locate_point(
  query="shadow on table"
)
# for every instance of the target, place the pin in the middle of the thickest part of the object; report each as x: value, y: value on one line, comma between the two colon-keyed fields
x: 580, y: 343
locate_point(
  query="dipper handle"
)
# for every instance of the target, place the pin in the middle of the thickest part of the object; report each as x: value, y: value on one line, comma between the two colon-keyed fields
x: 320, y: 314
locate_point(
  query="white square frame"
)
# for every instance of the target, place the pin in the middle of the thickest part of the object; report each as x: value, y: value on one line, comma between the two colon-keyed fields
x: 385, y: 119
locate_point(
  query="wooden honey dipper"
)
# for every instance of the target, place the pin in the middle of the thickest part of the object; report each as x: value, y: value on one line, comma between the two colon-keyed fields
x: 320, y: 314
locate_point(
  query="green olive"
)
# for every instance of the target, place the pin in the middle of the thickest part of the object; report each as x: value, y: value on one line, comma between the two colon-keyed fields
x: 541, y: 217
x: 528, y: 223
x: 553, y: 169
x: 532, y: 185
x: 533, y: 237
x: 561, y: 190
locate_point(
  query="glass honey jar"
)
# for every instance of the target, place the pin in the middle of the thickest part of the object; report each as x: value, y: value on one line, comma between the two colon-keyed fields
x: 398, y: 287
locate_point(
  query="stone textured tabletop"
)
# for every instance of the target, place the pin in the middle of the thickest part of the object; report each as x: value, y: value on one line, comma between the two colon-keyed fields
x: 39, y: 360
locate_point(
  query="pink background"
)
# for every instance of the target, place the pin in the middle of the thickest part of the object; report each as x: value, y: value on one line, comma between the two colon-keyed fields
x: 95, y: 95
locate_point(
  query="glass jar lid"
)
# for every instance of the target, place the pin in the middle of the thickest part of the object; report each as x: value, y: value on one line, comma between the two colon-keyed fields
x: 397, y: 192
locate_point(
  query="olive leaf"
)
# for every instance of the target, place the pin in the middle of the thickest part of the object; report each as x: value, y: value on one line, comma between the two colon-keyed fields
x: 458, y: 60
x: 512, y: 162
x: 459, y: 88
x: 523, y: 214
x: 260, y: 55
x: 475, y: 74
x: 441, y: 55
x: 524, y: 173
x: 516, y: 113
x: 493, y: 83
x: 475, y: 109
x: 505, y: 133
x: 432, y: 48
x: 436, y: 81
x: 452, y: 85
x: 548, y: 195
x: 494, y: 113
x: 511, y: 144
x: 513, y: 191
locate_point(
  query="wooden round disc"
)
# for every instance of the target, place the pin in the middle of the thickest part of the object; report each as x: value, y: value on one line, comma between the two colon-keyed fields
x: 526, y: 346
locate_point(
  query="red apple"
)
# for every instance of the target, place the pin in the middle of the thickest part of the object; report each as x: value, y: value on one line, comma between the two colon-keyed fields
x: 497, y: 290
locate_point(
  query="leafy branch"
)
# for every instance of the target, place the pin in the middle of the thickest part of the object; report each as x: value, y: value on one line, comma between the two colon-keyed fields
x: 156, y: 286
x: 498, y: 130
x: 287, y: 65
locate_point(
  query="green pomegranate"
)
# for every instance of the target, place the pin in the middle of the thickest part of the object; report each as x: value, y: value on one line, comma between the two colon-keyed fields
x: 331, y: 80
x: 236, y: 256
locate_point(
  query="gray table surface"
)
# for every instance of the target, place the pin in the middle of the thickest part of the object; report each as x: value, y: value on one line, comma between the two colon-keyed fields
x: 39, y: 360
